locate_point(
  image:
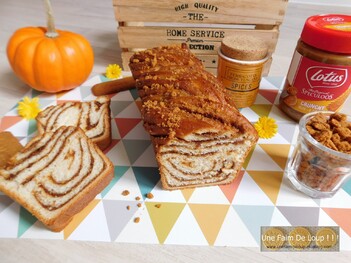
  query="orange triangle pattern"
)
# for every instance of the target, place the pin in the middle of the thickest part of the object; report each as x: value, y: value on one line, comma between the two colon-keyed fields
x: 112, y: 144
x: 341, y: 216
x: 78, y: 218
x: 269, y: 94
x: 229, y: 190
x: 269, y: 182
x: 8, y: 121
x: 164, y: 217
x: 187, y: 193
x: 210, y: 218
x: 278, y: 152
x: 125, y: 125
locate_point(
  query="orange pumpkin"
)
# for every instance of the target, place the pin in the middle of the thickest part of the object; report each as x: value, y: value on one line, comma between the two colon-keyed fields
x: 50, y: 60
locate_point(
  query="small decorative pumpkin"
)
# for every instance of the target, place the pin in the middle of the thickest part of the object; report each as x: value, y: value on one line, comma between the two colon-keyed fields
x: 50, y: 60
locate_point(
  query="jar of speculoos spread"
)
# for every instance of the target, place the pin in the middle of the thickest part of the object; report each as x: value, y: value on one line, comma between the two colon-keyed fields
x: 319, y: 77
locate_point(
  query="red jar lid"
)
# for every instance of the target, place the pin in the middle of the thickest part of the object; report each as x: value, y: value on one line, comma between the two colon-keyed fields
x: 330, y: 32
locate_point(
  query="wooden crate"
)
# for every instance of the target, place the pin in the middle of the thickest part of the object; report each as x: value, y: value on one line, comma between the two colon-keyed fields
x: 200, y: 24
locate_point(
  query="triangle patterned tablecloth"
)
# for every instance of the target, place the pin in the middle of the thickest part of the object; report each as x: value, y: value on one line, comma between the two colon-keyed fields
x: 229, y: 215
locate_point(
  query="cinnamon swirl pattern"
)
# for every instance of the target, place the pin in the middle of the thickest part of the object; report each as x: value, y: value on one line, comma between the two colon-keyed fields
x: 92, y: 117
x: 199, y: 136
x: 56, y: 175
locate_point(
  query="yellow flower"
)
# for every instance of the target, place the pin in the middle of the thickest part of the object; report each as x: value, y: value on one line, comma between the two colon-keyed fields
x: 266, y: 127
x: 113, y: 71
x: 28, y: 108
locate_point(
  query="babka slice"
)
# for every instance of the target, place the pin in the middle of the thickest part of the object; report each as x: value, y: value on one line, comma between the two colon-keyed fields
x: 93, y: 117
x: 199, y: 137
x: 56, y: 175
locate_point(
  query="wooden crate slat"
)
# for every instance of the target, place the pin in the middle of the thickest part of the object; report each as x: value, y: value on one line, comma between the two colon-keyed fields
x: 132, y: 14
x: 210, y: 62
x: 192, y: 11
x: 199, y: 40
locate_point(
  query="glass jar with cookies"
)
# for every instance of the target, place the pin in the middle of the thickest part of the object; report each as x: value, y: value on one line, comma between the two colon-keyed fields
x: 321, y: 162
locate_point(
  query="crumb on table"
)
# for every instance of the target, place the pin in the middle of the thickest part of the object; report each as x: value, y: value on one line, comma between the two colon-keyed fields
x: 125, y: 193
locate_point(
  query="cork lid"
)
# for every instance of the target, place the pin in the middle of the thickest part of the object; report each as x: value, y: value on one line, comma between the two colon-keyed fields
x: 244, y: 47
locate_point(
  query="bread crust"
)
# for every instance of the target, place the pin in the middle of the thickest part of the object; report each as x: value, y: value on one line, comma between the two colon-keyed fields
x: 104, y: 141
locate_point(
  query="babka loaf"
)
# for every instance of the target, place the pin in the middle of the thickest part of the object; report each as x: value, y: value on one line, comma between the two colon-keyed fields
x: 199, y: 137
x: 56, y: 175
x: 93, y: 117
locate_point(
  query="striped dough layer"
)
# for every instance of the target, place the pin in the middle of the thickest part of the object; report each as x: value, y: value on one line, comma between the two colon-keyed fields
x: 56, y: 175
x: 93, y: 117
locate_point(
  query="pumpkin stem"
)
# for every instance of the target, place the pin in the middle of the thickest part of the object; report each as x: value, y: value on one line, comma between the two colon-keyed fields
x: 51, y: 31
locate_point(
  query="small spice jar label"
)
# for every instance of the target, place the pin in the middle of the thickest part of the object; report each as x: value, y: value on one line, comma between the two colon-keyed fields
x: 240, y: 64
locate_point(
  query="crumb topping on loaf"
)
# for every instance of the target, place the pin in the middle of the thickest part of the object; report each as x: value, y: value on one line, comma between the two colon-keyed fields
x: 174, y: 94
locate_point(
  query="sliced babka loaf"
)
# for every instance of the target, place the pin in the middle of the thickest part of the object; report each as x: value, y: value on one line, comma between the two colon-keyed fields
x: 56, y: 175
x: 199, y: 137
x: 93, y: 117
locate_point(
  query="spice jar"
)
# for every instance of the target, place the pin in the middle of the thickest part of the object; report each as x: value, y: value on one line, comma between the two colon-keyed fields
x: 319, y: 77
x: 240, y: 63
